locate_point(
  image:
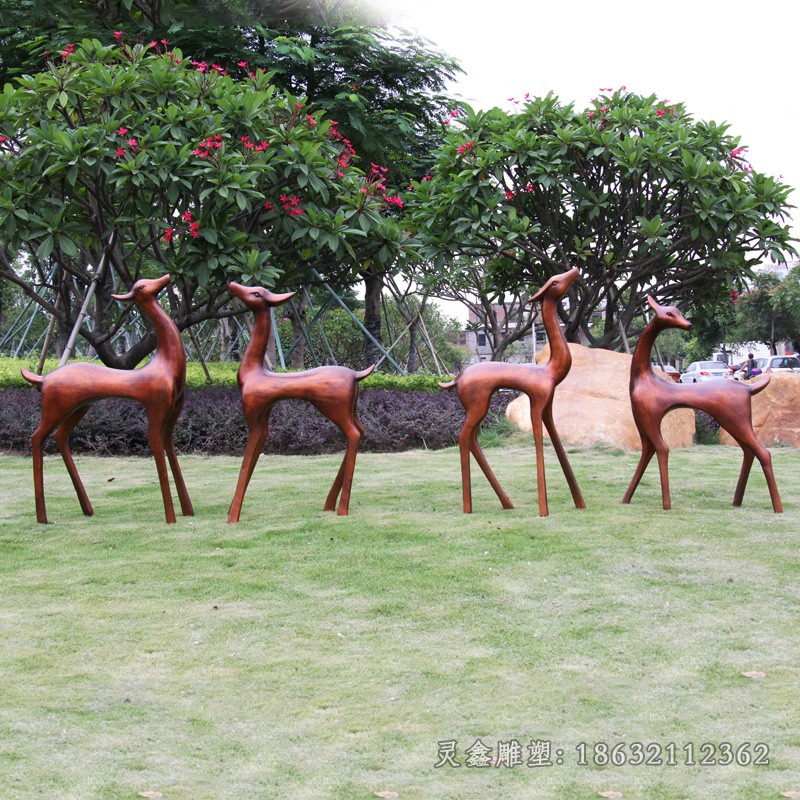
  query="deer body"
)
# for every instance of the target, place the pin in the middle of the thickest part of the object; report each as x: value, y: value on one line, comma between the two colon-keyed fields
x: 69, y: 391
x: 728, y: 402
x: 478, y: 382
x: 333, y: 391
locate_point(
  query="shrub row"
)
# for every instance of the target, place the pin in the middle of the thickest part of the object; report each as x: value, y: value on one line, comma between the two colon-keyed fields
x: 212, y: 423
x: 223, y: 373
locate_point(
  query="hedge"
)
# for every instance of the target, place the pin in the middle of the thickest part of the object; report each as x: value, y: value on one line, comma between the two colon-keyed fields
x: 212, y: 423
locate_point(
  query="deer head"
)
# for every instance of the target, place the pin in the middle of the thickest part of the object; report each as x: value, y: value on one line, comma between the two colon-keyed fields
x: 556, y: 287
x: 144, y: 288
x: 668, y: 316
x: 257, y: 298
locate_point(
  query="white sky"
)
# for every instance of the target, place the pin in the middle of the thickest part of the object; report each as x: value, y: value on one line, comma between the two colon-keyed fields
x: 728, y: 62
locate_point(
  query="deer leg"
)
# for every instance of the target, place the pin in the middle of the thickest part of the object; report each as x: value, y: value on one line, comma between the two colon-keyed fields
x: 648, y: 451
x: 747, y: 461
x: 344, y: 478
x: 464, y: 441
x: 538, y: 437
x: 476, y: 451
x: 61, y: 437
x: 169, y: 442
x: 547, y: 418
x: 753, y: 448
x: 257, y: 435
x: 37, y: 440
x: 155, y: 435
x: 662, y: 453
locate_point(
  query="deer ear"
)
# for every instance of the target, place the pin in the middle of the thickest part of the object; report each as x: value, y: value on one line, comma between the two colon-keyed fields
x: 655, y: 306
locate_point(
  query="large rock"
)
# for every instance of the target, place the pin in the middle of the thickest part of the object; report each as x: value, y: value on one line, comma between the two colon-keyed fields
x: 592, y: 405
x: 775, y: 415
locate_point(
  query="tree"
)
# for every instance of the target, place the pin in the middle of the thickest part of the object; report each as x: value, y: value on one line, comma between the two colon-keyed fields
x: 769, y: 312
x: 194, y: 172
x: 634, y: 192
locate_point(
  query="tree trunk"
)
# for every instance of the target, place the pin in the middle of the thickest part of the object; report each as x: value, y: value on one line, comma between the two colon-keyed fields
x: 373, y: 288
x: 298, y: 317
x: 411, y: 364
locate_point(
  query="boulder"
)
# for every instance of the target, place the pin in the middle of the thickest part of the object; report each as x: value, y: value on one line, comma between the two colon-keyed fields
x: 592, y: 404
x: 775, y: 415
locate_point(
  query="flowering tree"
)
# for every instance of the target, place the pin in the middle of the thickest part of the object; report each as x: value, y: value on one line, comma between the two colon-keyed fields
x: 634, y: 192
x: 173, y: 165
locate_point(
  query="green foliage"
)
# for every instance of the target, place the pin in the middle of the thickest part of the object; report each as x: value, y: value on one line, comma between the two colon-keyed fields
x: 770, y: 310
x: 633, y: 191
x: 201, y: 175
x: 223, y: 373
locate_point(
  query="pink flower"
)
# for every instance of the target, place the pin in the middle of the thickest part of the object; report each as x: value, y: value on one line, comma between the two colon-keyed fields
x: 122, y: 131
x: 427, y: 177
x: 117, y: 35
x: 311, y: 121
x: 133, y: 143
x: 242, y: 64
x: 262, y: 146
x: 509, y: 194
x: 200, y: 65
x: 120, y: 151
x: 464, y: 148
x: 661, y: 112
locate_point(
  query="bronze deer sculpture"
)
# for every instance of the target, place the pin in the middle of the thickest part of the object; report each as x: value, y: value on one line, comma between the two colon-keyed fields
x: 728, y: 402
x: 69, y: 391
x: 478, y: 382
x: 333, y: 391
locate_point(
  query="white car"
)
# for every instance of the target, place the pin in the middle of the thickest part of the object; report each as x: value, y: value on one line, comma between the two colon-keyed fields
x: 699, y: 371
x: 779, y: 364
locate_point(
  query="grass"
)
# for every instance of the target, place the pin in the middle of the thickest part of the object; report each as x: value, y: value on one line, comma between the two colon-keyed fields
x: 303, y: 655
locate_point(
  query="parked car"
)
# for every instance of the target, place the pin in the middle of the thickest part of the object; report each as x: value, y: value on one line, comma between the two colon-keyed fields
x: 699, y: 371
x: 668, y: 369
x: 779, y: 364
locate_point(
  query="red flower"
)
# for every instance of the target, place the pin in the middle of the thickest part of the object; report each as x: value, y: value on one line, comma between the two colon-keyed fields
x: 661, y: 112
x: 311, y: 121
x: 168, y: 234
x: 120, y: 151
x: 186, y: 216
x: 117, y: 35
x: 464, y: 148
x: 193, y: 229
x: 267, y: 206
x: 122, y: 131
x: 427, y: 177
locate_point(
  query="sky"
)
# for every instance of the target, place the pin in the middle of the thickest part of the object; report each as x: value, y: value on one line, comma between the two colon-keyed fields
x: 727, y: 62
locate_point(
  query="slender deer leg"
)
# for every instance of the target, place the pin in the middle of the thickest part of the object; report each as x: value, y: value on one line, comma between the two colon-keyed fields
x: 61, y: 437
x: 547, y: 418
x: 258, y: 432
x: 747, y: 461
x: 155, y: 435
x: 348, y: 466
x: 475, y: 448
x: 662, y: 454
x: 169, y: 442
x: 648, y: 451
x: 538, y: 436
x: 753, y: 448
x: 37, y: 440
x: 464, y: 439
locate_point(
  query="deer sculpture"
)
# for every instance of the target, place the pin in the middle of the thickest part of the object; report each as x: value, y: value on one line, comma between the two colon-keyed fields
x: 69, y: 391
x: 728, y: 402
x: 333, y: 391
x: 478, y: 382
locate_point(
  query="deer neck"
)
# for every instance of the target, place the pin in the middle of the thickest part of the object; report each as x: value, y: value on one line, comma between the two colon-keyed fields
x: 253, y: 358
x: 169, y: 346
x: 640, y: 364
x: 560, y: 357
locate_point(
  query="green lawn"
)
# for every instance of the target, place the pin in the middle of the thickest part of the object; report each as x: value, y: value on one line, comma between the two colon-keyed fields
x: 303, y: 655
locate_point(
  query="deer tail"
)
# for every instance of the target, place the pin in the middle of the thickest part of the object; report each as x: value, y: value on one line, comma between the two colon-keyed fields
x: 755, y: 388
x: 364, y: 372
x: 448, y: 385
x: 32, y: 378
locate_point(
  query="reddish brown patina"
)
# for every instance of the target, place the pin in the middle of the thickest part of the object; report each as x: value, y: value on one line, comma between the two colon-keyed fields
x: 478, y: 382
x: 333, y: 391
x: 69, y: 391
x: 728, y: 402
